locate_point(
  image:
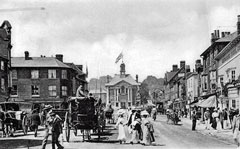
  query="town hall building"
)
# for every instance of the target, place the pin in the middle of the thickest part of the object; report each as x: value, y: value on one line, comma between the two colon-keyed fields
x: 122, y: 89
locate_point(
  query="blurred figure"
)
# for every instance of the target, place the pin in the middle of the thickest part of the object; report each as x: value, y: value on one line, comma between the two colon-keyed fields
x: 207, y: 118
x: 121, y: 131
x: 225, y: 118
x: 236, y: 128
x: 194, y: 120
x: 154, y: 113
x: 56, y: 130
x: 215, y: 119
x: 35, y: 121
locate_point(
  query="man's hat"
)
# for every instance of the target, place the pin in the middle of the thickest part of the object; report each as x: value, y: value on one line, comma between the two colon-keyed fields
x: 47, y: 107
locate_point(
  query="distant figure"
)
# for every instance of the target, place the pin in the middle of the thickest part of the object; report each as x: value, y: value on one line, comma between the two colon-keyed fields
x: 207, y: 118
x: 236, y: 128
x: 225, y: 118
x: 35, y: 121
x: 194, y: 120
x: 215, y: 116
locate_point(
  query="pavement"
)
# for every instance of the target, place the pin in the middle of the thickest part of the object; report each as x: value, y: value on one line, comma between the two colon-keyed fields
x: 222, y: 135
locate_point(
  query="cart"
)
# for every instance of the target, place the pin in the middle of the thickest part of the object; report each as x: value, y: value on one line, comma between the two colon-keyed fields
x: 84, y: 116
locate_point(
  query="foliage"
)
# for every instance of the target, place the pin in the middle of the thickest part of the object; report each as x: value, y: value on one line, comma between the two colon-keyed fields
x: 144, y: 93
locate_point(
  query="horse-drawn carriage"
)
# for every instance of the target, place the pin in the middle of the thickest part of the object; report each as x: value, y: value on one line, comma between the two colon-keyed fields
x: 82, y: 115
x: 173, y: 117
x: 16, y: 116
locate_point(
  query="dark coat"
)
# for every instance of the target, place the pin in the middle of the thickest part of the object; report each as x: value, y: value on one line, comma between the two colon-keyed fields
x: 57, y: 126
x: 35, y: 119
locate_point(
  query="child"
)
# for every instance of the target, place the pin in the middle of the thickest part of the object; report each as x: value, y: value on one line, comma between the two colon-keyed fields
x: 121, y: 131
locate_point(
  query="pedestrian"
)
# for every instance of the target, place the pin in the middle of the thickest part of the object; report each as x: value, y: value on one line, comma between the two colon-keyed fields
x: 231, y: 114
x: 225, y: 118
x: 220, y: 113
x: 56, y: 130
x: 207, y: 118
x: 235, y: 128
x: 134, y: 124
x: 2, y: 119
x: 47, y: 124
x: 121, y: 130
x: 215, y: 119
x: 194, y: 120
x: 148, y: 130
x: 35, y: 121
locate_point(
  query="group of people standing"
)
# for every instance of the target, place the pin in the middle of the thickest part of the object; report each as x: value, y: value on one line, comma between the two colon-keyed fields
x: 138, y: 125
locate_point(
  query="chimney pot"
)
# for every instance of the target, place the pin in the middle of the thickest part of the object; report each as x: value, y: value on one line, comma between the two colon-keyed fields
x: 223, y: 34
x: 175, y: 68
x: 26, y: 55
x: 182, y: 64
x: 137, y: 78
x: 59, y: 57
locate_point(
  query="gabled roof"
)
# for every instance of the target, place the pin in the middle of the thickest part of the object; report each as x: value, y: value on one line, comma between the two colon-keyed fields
x: 225, y: 39
x: 38, y: 62
x: 228, y: 47
x: 177, y: 72
x: 169, y: 75
x: 73, y: 66
x: 116, y: 79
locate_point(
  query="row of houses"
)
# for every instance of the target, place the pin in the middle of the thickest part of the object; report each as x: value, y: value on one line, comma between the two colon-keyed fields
x: 36, y: 79
x: 214, y: 80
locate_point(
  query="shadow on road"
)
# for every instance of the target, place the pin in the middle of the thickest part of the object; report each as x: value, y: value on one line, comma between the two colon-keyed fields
x: 19, y: 143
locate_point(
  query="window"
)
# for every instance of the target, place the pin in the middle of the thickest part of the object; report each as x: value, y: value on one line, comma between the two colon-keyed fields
x: 35, y: 90
x: 116, y: 104
x: 34, y: 74
x: 126, y: 90
x: 52, y: 91
x: 234, y: 103
x: 52, y: 74
x: 64, y: 91
x: 2, y: 65
x: 122, y: 89
x: 14, y: 74
x: 64, y: 74
x: 221, y: 81
x: 129, y: 104
x: 3, y: 84
x: 233, y: 74
x: 14, y: 91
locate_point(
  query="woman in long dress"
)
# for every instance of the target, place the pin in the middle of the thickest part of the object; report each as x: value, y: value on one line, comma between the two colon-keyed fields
x: 121, y: 131
x: 146, y: 133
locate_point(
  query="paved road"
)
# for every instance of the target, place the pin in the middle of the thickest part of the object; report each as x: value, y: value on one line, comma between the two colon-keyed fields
x: 167, y: 137
x: 181, y: 136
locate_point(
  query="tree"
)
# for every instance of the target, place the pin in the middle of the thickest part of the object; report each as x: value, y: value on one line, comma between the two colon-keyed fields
x: 144, y: 93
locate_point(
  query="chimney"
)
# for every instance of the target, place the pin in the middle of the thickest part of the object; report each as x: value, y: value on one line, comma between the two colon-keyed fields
x: 174, y: 68
x: 223, y: 34
x: 198, y: 66
x: 218, y: 36
x: 26, y: 55
x: 182, y: 64
x: 238, y: 25
x: 137, y: 78
x: 108, y: 79
x: 188, y: 68
x: 59, y: 57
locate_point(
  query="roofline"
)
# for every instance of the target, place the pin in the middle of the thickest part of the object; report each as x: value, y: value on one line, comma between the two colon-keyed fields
x: 227, y: 47
x: 175, y: 74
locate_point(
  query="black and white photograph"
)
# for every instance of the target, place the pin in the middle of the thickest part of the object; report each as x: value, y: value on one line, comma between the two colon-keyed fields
x: 114, y: 74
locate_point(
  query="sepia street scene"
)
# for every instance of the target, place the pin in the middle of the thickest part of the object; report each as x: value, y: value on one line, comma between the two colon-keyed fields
x: 113, y: 74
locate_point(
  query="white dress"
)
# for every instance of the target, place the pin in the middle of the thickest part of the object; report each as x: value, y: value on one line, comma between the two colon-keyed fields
x: 146, y: 133
x: 121, y: 130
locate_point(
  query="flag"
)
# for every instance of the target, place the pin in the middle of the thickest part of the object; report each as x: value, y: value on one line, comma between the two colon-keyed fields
x: 120, y: 56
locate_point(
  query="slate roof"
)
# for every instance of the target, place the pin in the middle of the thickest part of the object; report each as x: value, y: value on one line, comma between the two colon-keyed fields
x: 227, y: 39
x: 38, y: 62
x: 72, y: 65
x: 169, y: 75
x: 116, y: 79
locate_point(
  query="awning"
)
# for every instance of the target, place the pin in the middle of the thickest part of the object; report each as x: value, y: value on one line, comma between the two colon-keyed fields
x: 209, y: 102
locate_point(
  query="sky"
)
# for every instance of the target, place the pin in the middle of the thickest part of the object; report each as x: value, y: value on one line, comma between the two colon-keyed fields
x: 153, y: 35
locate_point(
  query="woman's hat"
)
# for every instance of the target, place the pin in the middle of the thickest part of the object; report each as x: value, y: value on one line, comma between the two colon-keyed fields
x: 144, y: 112
x: 47, y: 107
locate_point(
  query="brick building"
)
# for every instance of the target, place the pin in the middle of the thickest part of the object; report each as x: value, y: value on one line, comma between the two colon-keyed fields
x: 5, y: 60
x: 44, y: 79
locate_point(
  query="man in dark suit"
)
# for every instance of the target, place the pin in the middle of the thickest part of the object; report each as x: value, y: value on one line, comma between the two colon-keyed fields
x: 56, y: 130
x: 35, y: 121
